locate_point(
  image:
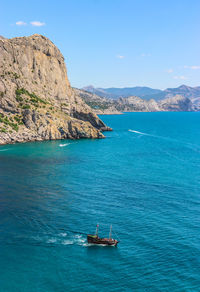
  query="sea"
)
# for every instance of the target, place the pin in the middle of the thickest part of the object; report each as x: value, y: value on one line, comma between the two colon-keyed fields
x: 143, y: 178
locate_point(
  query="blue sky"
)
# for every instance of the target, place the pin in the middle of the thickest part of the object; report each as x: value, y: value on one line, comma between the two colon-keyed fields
x: 115, y: 43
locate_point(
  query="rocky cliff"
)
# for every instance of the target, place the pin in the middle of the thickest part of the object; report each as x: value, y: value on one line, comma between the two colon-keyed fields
x: 36, y: 99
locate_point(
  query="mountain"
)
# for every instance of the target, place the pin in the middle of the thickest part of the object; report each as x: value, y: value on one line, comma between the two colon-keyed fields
x: 147, y: 93
x: 137, y: 104
x: 184, y: 90
x: 176, y: 103
x: 115, y: 93
x: 193, y: 93
x: 36, y: 99
x: 102, y: 105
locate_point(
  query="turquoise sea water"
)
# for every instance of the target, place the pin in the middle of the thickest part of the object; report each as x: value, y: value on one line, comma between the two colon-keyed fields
x: 146, y: 184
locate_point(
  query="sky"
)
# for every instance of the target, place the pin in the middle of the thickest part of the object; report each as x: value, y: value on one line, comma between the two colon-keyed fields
x: 115, y: 43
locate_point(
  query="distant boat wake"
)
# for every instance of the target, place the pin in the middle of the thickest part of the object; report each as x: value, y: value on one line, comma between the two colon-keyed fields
x: 63, y: 145
x: 188, y: 145
x: 141, y: 133
x: 155, y: 136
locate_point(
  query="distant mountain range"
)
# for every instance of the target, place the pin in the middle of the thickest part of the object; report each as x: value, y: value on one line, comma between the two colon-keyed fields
x: 103, y: 105
x: 146, y: 93
x: 115, y: 93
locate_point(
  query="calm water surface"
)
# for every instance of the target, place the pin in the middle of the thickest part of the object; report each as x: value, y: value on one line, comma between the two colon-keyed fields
x: 146, y: 184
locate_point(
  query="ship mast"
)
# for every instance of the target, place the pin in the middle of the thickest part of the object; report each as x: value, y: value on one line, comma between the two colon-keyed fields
x: 110, y: 234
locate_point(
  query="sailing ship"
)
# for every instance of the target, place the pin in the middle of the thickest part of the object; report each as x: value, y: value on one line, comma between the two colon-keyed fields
x: 95, y: 239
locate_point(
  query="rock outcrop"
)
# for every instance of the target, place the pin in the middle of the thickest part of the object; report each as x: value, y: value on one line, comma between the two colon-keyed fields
x: 36, y: 99
x: 176, y: 103
x: 137, y: 104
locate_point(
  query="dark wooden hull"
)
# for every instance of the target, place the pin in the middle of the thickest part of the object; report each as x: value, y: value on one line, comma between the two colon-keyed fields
x: 103, y: 241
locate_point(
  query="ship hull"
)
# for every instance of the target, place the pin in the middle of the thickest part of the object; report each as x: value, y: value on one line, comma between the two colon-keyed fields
x: 101, y: 241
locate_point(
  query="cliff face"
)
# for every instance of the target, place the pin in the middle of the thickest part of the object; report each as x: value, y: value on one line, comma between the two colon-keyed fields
x: 36, y: 99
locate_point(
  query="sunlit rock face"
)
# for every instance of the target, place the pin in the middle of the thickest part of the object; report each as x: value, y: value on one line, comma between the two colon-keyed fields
x: 36, y: 99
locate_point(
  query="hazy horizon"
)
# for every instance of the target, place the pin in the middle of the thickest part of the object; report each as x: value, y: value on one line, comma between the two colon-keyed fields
x: 121, y: 87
